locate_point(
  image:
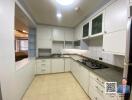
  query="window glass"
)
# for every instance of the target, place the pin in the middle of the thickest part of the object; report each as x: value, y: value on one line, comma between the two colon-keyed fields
x: 24, y: 45
x: 97, y: 24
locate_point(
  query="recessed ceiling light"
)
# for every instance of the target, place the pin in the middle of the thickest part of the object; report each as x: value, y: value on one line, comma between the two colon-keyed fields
x: 65, y: 2
x: 24, y: 31
x: 59, y: 15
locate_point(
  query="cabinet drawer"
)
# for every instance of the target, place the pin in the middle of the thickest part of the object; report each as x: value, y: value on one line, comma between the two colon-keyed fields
x: 97, y: 79
x: 43, y: 66
x: 44, y: 61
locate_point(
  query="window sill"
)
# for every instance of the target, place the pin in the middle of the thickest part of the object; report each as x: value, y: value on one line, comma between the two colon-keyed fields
x: 20, y: 64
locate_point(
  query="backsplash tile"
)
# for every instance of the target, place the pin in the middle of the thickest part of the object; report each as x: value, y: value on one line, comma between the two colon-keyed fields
x: 95, y: 51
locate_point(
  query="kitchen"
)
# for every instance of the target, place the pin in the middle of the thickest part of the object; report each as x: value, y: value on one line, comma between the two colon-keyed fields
x: 65, y: 49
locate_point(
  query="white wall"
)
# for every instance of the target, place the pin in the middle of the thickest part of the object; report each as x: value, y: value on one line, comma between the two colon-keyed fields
x: 7, y: 57
x: 13, y: 83
x: 24, y: 77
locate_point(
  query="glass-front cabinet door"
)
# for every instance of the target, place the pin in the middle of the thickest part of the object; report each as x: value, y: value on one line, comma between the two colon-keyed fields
x: 86, y: 30
x: 97, y: 24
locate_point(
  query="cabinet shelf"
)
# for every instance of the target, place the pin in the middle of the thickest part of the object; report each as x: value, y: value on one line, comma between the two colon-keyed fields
x: 93, y: 36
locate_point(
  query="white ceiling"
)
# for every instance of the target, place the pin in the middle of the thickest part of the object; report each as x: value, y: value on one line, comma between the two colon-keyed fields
x: 22, y: 22
x: 44, y: 11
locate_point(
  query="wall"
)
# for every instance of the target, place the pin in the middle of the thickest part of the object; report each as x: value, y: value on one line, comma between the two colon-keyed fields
x: 95, y: 45
x: 24, y: 77
x: 7, y: 56
x: 13, y: 83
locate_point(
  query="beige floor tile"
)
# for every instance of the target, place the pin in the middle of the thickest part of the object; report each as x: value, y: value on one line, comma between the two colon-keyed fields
x: 61, y: 86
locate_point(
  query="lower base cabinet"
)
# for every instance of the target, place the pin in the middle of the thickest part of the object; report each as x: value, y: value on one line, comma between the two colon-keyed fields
x: 67, y: 64
x: 84, y: 79
x: 57, y: 65
x: 81, y: 74
x: 43, y: 66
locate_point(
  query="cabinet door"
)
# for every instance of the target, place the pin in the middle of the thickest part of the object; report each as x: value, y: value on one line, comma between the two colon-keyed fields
x: 115, y: 42
x: 74, y: 65
x: 84, y: 79
x: 57, y: 65
x: 67, y: 64
x: 108, y: 97
x: 58, y: 34
x: 44, y: 43
x: 97, y: 24
x: 69, y: 34
x: 43, y: 67
x: 116, y: 16
x: 44, y: 32
x: 78, y: 32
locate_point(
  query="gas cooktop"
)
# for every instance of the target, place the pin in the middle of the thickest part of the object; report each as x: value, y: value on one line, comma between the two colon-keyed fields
x: 92, y: 64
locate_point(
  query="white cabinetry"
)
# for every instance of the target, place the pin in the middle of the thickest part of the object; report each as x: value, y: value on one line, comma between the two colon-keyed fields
x: 75, y: 69
x: 69, y: 34
x: 44, y: 43
x: 58, y: 34
x: 84, y: 78
x: 78, y: 32
x: 116, y: 16
x: 67, y: 64
x: 43, y: 66
x: 115, y: 27
x: 44, y: 37
x: 115, y: 42
x: 57, y: 65
x: 96, y: 90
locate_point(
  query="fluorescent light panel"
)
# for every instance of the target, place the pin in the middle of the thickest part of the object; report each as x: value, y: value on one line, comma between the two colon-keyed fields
x: 65, y: 2
x: 59, y: 15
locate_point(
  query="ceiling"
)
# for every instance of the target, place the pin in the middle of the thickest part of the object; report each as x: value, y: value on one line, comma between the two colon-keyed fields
x: 44, y: 11
x: 22, y: 22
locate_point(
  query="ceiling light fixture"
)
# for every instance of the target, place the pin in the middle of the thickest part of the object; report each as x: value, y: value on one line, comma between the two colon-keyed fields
x: 65, y: 2
x: 24, y: 31
x: 59, y: 15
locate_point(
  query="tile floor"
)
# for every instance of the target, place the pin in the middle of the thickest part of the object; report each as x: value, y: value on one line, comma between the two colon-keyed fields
x: 61, y: 86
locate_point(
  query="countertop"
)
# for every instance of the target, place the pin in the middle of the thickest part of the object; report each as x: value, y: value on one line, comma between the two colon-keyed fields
x: 110, y: 74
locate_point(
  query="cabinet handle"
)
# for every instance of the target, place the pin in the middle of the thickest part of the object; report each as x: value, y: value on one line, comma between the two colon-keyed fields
x: 43, y: 64
x: 102, y: 83
x: 43, y: 70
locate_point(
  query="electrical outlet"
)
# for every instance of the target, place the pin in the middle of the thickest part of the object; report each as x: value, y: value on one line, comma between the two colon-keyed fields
x: 100, y: 58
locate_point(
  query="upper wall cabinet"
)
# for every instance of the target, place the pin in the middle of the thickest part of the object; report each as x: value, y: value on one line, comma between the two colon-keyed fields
x: 114, y: 40
x: 116, y: 16
x: 44, y: 32
x: 97, y: 25
x: 78, y: 32
x: 69, y: 34
x: 86, y: 30
x: 58, y: 34
x: 44, y: 37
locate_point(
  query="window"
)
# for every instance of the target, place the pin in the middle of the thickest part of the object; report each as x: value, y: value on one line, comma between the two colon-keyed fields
x: 23, y: 45
x: 97, y: 24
